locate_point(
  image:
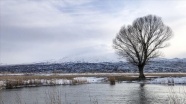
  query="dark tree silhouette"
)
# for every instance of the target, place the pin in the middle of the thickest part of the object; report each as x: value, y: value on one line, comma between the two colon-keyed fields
x: 141, y: 41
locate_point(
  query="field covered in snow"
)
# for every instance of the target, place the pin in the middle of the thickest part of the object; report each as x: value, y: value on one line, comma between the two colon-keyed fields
x: 168, y: 80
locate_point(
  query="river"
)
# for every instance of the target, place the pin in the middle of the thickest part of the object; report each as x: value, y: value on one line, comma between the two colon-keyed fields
x: 102, y: 93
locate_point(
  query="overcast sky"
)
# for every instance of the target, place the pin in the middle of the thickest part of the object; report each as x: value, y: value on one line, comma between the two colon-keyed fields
x: 63, y: 30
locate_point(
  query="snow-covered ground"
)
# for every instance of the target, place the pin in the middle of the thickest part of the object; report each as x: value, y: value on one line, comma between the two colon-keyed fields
x: 45, y: 82
x: 11, y: 74
x: 168, y: 80
x: 89, y: 80
x: 76, y: 80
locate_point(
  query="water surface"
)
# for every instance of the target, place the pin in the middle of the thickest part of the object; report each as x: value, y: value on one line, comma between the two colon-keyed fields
x: 121, y: 93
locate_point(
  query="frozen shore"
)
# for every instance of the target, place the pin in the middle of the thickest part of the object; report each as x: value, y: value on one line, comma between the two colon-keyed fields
x: 168, y: 80
x: 48, y: 82
x: 68, y: 79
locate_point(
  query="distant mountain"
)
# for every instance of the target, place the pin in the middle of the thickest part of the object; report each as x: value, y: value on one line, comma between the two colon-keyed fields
x: 107, y: 57
x: 157, y: 65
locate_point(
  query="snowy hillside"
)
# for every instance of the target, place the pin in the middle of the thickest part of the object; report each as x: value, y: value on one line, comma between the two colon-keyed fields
x: 161, y: 65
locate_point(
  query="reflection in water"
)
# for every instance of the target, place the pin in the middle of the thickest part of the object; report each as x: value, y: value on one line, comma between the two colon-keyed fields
x: 142, y: 95
x: 148, y: 94
x: 142, y: 85
x: 139, y: 95
x: 120, y: 93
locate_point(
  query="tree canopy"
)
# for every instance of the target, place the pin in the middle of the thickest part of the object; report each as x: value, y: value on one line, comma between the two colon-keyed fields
x: 141, y: 41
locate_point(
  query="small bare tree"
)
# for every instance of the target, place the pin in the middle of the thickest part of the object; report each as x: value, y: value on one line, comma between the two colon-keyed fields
x: 141, y: 41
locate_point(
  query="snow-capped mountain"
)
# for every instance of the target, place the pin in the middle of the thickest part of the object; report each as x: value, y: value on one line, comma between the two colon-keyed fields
x: 96, y: 58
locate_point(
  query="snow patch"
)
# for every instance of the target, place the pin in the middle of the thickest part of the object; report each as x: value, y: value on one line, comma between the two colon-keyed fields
x: 169, y: 80
x: 90, y: 79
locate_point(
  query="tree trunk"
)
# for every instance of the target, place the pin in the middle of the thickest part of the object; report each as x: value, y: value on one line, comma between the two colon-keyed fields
x: 141, y: 74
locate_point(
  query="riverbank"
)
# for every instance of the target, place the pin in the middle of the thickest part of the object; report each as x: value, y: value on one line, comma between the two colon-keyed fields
x: 19, y: 80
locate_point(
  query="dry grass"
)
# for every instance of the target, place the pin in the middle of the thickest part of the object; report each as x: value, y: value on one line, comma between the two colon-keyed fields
x: 24, y: 77
x: 126, y: 78
x: 10, y: 84
x: 122, y: 76
x: 112, y: 80
x: 174, y: 97
x: 18, y: 81
x: 118, y: 76
x: 14, y: 81
x: 76, y: 81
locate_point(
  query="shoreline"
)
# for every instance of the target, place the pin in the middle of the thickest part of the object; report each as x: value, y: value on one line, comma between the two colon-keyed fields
x: 17, y: 80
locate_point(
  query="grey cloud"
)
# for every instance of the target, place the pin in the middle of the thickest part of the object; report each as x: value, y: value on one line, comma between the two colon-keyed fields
x: 33, y: 30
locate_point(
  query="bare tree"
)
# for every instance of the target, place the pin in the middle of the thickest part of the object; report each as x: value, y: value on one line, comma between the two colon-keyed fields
x: 141, y: 41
